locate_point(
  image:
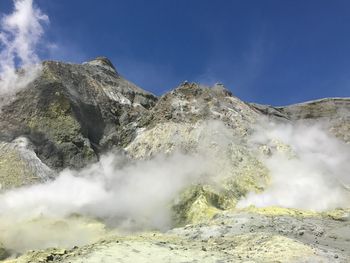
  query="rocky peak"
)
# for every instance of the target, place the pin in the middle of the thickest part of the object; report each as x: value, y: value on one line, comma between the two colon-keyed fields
x: 195, y: 89
x: 191, y: 102
x: 72, y: 113
x: 103, y: 62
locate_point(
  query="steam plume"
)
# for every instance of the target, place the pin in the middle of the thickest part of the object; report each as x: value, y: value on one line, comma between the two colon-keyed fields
x: 20, y: 34
x: 114, y: 188
x: 309, y: 168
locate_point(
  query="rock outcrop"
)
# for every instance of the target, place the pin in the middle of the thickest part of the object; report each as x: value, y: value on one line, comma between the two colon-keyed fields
x: 72, y: 113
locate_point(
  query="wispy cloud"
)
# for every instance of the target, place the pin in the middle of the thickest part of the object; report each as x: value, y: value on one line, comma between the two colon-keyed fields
x: 21, y: 32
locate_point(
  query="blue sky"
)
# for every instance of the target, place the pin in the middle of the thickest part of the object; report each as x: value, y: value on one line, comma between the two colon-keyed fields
x: 268, y: 51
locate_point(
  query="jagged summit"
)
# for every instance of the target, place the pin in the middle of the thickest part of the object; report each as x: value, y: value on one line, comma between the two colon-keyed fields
x: 197, y: 88
x: 102, y: 62
x: 191, y: 102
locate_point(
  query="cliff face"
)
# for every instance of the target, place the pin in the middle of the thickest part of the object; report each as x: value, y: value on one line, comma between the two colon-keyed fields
x: 72, y: 114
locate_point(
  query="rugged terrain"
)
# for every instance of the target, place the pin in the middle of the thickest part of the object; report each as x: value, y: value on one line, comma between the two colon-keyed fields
x: 71, y: 115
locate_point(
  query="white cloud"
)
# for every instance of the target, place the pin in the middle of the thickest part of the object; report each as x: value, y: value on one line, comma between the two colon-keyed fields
x: 21, y: 32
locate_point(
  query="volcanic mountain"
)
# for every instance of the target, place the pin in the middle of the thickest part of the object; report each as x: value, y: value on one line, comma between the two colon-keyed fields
x: 232, y: 162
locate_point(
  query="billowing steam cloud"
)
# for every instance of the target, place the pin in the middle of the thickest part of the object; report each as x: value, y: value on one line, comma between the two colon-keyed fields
x: 129, y: 194
x: 20, y: 34
x: 309, y: 168
x: 114, y: 188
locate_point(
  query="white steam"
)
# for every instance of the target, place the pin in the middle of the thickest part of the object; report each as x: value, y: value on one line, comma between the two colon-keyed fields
x: 309, y: 168
x: 20, y: 34
x: 115, y: 189
x: 131, y: 195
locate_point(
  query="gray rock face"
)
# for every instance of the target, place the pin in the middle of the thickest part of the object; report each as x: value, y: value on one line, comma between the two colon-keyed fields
x: 191, y: 102
x: 72, y: 113
x: 20, y: 165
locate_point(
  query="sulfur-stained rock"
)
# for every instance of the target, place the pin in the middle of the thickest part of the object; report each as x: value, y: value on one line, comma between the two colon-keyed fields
x: 72, y: 113
x: 19, y: 165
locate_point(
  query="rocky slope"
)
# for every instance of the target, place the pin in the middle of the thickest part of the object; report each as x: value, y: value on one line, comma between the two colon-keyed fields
x: 258, y: 235
x: 72, y: 114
